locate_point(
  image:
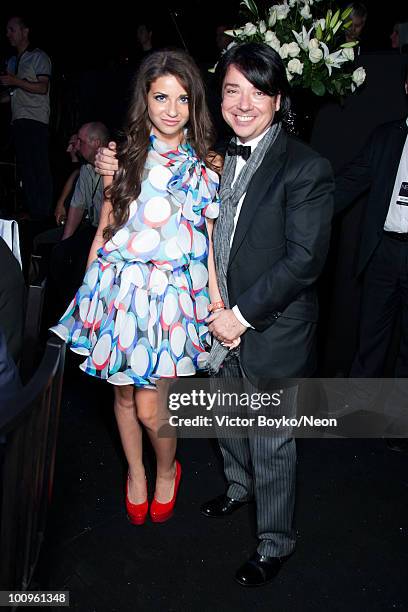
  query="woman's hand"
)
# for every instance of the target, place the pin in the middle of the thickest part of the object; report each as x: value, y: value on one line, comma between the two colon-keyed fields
x: 106, y: 162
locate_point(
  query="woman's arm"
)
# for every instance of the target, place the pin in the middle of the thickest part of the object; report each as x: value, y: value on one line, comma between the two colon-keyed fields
x: 60, y: 212
x: 104, y: 221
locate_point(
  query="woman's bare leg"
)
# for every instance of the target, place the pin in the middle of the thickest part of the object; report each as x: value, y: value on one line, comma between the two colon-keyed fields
x: 131, y: 436
x: 151, y: 407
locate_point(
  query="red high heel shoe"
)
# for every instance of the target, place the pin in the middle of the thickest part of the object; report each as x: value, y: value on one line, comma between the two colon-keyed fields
x: 159, y: 512
x: 136, y: 512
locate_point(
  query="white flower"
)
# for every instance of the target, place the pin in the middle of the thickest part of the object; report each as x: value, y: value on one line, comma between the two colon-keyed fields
x: 272, y: 17
x: 303, y: 38
x: 332, y: 60
x: 321, y: 23
x: 234, y: 33
x: 262, y: 26
x: 359, y: 76
x: 272, y: 40
x: 315, y: 55
x: 232, y: 44
x: 295, y: 66
x: 348, y: 54
x: 310, y: 50
x: 249, y: 29
x: 305, y: 12
x: 293, y: 49
x: 289, y: 49
x: 283, y: 51
x: 282, y: 10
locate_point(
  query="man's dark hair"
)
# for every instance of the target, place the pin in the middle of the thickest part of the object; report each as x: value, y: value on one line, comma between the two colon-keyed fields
x: 24, y: 20
x: 262, y: 66
x: 359, y: 10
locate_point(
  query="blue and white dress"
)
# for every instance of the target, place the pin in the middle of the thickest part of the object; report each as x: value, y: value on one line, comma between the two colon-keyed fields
x: 140, y: 312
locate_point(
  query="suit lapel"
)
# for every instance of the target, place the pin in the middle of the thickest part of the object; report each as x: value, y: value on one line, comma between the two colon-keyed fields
x: 261, y: 181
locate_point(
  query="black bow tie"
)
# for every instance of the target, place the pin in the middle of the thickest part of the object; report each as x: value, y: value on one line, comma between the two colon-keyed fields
x: 236, y: 149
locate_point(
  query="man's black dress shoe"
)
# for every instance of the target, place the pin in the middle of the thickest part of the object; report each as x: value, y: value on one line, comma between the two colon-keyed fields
x: 221, y: 506
x: 259, y: 570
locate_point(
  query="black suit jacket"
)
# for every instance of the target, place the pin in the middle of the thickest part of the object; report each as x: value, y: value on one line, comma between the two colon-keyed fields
x: 12, y: 297
x: 374, y: 169
x: 279, y: 248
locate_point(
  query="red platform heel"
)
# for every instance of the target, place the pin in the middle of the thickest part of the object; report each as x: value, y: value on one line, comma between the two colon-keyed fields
x: 136, y: 512
x: 160, y: 513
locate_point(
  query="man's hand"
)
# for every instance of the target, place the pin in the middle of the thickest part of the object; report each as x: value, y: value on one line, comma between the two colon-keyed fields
x: 60, y: 213
x: 214, y: 161
x: 106, y: 163
x: 72, y: 148
x: 225, y: 326
x: 9, y: 80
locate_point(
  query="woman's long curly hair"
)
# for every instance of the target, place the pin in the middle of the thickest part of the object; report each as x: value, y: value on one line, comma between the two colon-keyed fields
x: 132, y: 153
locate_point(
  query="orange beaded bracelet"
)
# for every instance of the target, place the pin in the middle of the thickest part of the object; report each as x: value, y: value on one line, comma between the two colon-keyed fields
x: 216, y: 306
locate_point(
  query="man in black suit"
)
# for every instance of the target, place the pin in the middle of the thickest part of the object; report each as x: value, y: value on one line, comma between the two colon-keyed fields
x: 270, y: 244
x: 381, y: 169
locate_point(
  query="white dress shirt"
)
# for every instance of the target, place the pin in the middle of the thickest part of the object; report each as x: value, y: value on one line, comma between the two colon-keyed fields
x: 397, y: 217
x: 239, y: 165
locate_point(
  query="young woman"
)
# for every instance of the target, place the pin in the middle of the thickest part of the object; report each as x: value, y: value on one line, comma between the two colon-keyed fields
x: 139, y: 317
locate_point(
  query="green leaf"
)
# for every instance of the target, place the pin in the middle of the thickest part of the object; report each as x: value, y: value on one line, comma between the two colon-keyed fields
x: 318, y: 88
x: 251, y: 6
x: 336, y: 27
x: 348, y: 45
x: 347, y: 12
x: 347, y: 25
x: 335, y: 18
x: 328, y: 18
x: 319, y: 32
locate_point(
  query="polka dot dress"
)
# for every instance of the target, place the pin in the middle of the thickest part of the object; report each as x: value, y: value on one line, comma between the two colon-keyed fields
x: 140, y: 312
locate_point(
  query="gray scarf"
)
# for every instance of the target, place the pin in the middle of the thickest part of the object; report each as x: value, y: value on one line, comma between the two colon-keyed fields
x: 224, y: 226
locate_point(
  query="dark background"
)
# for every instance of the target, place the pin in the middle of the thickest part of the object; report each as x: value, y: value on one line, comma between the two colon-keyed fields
x: 81, y: 35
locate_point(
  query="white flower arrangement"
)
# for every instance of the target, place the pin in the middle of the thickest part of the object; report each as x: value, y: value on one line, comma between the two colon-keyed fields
x: 309, y: 38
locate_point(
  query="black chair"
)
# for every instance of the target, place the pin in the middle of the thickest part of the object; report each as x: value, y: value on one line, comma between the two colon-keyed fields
x: 28, y: 434
x: 33, y: 319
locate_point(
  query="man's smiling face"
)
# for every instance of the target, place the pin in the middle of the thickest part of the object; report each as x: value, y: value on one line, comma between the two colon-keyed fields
x: 246, y: 109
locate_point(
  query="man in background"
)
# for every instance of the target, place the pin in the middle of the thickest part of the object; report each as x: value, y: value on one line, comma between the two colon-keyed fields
x: 28, y: 90
x: 358, y: 21
x: 381, y: 171
x: 69, y: 257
